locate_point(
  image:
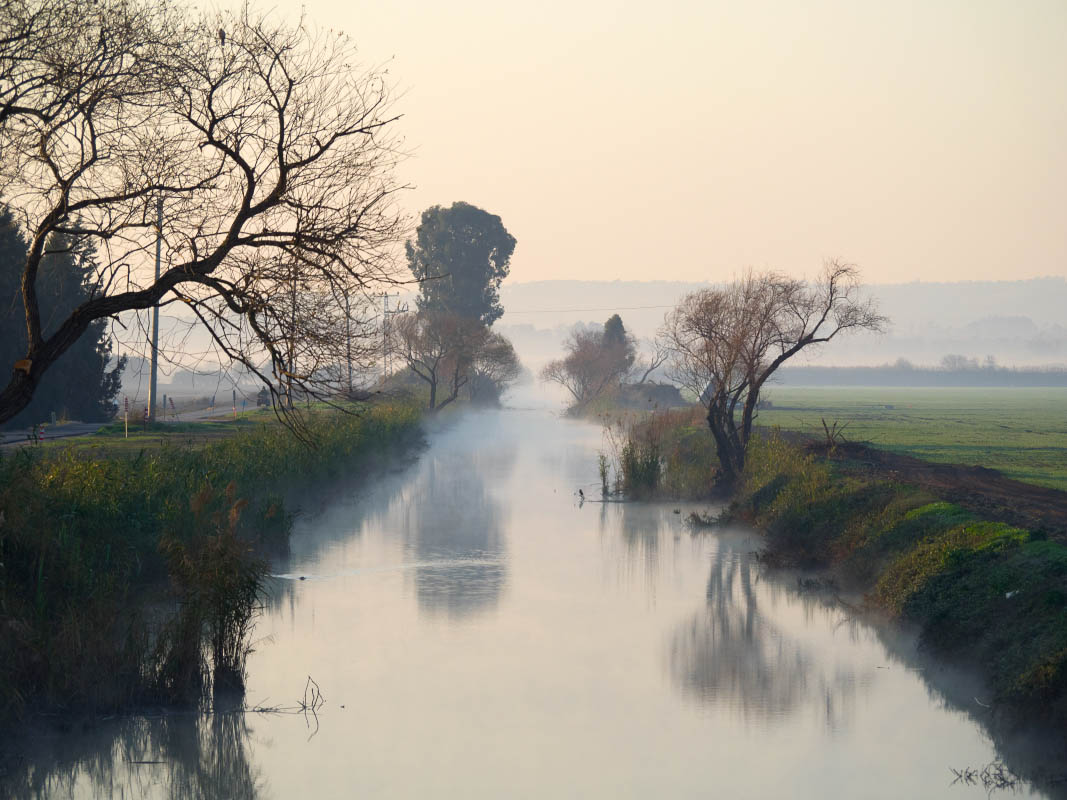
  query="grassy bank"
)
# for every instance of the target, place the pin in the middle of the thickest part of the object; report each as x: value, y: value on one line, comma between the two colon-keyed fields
x: 125, y: 571
x: 985, y: 593
x: 1021, y: 432
x: 981, y: 593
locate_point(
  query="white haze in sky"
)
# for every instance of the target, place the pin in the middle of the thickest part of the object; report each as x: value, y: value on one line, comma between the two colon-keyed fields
x: 921, y: 139
x: 685, y: 141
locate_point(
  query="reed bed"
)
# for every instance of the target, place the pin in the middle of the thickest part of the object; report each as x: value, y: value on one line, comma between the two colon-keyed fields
x: 134, y: 580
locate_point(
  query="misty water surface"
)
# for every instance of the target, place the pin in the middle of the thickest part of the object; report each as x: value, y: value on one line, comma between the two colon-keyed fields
x: 477, y: 633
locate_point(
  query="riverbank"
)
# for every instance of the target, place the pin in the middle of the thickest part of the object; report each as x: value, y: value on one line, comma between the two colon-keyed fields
x: 125, y: 575
x: 982, y: 592
x: 975, y: 561
x: 470, y: 603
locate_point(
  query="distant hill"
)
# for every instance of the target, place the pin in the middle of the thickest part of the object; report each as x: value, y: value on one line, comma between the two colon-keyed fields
x: 1018, y: 323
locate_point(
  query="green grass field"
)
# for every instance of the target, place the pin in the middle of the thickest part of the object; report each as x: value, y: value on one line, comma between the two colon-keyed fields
x: 1020, y: 432
x: 110, y: 440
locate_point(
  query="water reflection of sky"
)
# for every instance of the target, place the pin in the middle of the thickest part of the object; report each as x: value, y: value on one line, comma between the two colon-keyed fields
x: 479, y: 633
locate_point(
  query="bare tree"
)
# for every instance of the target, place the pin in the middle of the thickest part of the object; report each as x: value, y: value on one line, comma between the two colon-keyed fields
x: 594, y: 365
x: 654, y: 354
x: 265, y: 149
x: 494, y: 368
x: 439, y: 348
x: 726, y: 343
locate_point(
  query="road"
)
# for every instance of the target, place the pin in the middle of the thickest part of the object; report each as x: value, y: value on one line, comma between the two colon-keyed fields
x: 70, y: 429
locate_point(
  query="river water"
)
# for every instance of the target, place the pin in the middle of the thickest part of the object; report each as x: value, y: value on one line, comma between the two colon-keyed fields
x: 477, y: 631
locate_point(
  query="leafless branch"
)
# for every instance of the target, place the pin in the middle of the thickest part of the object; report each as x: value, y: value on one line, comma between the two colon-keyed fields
x: 272, y: 154
x: 725, y: 343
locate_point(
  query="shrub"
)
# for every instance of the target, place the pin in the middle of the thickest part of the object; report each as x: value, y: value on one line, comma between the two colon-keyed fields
x: 662, y: 453
x: 219, y: 583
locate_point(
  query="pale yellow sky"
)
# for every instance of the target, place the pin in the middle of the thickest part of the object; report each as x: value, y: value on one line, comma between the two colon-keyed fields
x: 922, y: 139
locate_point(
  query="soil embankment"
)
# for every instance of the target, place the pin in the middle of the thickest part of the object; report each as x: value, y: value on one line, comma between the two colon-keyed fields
x: 975, y: 561
x: 983, y: 491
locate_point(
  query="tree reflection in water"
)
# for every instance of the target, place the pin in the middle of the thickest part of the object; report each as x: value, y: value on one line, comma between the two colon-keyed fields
x: 452, y: 527
x: 179, y: 757
x: 442, y: 512
x: 730, y: 654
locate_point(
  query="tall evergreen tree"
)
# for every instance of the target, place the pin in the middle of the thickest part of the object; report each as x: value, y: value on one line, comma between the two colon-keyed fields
x: 80, y: 385
x: 615, y: 334
x: 461, y: 254
x: 12, y: 322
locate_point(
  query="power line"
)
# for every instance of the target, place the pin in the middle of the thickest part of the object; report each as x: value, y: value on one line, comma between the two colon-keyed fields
x: 583, y: 310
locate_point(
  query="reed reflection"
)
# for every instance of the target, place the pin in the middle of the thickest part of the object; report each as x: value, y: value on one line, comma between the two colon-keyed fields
x: 637, y: 527
x: 179, y: 757
x: 355, y: 505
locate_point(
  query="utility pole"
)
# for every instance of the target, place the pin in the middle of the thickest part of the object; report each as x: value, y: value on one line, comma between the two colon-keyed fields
x: 386, y: 311
x: 291, y: 367
x: 155, y: 317
x: 385, y: 336
x: 348, y: 341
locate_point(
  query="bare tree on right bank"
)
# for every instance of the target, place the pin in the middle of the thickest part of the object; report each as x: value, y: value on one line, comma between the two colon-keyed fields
x: 725, y: 344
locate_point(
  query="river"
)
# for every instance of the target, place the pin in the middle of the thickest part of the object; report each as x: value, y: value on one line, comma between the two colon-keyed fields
x: 476, y: 631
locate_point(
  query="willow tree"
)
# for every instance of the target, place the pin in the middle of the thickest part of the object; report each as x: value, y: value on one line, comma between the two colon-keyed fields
x: 725, y: 343
x: 259, y: 152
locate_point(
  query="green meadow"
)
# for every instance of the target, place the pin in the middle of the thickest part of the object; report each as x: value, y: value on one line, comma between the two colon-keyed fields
x: 1020, y: 432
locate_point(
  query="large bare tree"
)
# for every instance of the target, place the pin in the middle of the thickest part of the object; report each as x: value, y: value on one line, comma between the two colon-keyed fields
x: 441, y: 349
x: 264, y: 148
x: 725, y: 343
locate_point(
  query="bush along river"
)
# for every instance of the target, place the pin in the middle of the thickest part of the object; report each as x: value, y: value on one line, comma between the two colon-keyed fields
x: 468, y: 626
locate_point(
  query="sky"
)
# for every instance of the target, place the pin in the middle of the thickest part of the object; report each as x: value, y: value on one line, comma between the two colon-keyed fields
x: 692, y: 140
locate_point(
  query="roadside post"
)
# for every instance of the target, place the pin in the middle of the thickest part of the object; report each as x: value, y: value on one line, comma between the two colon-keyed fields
x: 126, y: 415
x: 235, y: 405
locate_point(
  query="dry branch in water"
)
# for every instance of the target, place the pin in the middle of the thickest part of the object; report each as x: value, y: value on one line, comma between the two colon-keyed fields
x: 993, y: 776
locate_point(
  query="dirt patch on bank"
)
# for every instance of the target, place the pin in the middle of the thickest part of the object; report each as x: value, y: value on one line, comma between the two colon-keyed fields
x: 984, y: 491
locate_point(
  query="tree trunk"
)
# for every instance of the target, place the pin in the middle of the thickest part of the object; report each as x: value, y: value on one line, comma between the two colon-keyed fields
x: 730, y: 460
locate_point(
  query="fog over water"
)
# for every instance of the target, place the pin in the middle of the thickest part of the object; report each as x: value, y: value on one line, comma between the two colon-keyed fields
x: 479, y: 632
